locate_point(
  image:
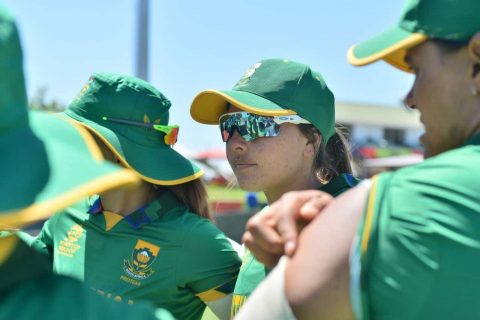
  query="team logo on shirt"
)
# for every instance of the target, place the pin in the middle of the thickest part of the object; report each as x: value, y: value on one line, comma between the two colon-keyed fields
x: 68, y: 246
x: 139, y: 266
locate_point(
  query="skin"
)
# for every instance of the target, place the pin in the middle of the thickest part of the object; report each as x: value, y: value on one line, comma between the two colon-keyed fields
x: 273, y: 165
x: 284, y: 219
x: 442, y: 83
x: 124, y: 200
x: 442, y: 92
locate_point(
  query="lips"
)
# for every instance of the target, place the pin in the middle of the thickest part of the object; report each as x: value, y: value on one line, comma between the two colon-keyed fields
x: 243, y: 163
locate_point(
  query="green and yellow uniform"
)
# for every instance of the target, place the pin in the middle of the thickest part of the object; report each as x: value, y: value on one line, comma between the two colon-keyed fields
x: 418, y: 248
x: 29, y: 290
x: 252, y: 272
x: 161, y: 253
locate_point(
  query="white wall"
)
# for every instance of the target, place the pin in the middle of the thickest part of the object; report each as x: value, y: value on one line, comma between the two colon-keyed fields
x: 362, y: 133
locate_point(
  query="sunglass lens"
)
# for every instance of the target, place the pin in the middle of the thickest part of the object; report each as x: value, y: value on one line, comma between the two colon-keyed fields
x: 171, y: 138
x: 249, y: 126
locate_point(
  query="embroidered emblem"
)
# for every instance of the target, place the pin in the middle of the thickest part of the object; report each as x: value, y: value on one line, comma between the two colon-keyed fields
x: 139, y: 266
x: 146, y: 119
x: 248, y: 74
x: 68, y: 246
x: 85, y: 88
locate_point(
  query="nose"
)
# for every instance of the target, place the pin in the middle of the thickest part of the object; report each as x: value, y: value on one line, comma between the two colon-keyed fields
x: 236, y: 142
x: 408, y: 101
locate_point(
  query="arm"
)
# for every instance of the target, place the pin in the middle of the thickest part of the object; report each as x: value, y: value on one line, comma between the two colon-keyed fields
x: 210, y: 269
x: 315, y: 282
x: 274, y: 231
x: 43, y: 242
x: 317, y: 278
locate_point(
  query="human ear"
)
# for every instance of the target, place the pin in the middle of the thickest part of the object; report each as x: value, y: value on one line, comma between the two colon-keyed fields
x: 313, y: 144
x: 474, y: 51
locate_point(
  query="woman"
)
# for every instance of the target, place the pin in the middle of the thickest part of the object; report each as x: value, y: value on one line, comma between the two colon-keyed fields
x: 278, y: 123
x: 153, y: 241
x: 410, y: 242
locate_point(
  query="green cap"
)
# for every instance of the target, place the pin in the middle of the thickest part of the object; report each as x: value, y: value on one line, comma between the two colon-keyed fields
x: 47, y: 163
x: 118, y: 109
x: 273, y: 87
x: 454, y: 20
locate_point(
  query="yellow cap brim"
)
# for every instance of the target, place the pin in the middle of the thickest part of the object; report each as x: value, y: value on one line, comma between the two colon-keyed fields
x: 390, y: 46
x: 209, y: 105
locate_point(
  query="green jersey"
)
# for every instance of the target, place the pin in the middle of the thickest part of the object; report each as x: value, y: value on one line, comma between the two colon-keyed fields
x: 161, y: 253
x: 29, y: 290
x: 252, y: 272
x: 418, y: 247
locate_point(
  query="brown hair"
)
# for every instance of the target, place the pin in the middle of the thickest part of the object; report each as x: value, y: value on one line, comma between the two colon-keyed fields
x: 194, y: 195
x: 331, y: 159
x: 449, y: 46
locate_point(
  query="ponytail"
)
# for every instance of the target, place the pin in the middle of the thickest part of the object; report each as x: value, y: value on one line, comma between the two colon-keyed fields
x: 331, y: 159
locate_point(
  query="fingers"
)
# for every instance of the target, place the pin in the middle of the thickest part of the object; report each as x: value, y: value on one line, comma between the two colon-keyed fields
x: 313, y: 207
x: 274, y: 231
x: 261, y: 228
x: 262, y: 239
x: 267, y: 257
x: 291, y: 216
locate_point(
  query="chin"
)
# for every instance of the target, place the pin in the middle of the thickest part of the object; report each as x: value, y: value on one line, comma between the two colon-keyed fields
x: 248, y: 186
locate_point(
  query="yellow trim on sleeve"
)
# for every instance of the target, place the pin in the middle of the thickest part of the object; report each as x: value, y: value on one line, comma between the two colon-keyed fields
x: 7, y: 244
x: 369, y: 217
x: 211, y: 295
x: 42, y: 210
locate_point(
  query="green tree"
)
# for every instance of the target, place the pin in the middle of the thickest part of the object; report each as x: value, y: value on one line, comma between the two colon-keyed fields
x: 39, y: 102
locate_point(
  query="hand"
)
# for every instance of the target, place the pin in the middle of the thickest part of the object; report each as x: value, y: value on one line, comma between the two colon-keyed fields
x: 273, y: 232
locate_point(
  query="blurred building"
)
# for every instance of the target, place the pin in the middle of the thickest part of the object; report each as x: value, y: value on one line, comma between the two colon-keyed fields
x: 381, y: 132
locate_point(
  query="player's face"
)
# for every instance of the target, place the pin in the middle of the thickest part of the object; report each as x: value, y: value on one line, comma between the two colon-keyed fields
x: 440, y: 93
x: 272, y: 165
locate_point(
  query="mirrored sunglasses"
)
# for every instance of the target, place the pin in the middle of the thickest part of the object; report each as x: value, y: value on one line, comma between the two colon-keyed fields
x: 251, y: 126
x: 171, y: 132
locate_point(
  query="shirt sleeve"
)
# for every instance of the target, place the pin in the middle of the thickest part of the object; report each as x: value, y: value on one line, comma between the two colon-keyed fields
x: 419, y: 242
x: 43, y: 242
x: 209, y: 265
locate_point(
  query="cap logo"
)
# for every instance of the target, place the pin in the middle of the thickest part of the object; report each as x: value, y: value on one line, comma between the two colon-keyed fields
x: 84, y: 89
x: 248, y: 74
x: 146, y: 119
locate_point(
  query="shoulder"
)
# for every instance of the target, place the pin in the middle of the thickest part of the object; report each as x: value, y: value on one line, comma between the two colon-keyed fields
x: 201, y: 227
x: 78, y: 209
x: 340, y: 184
x: 448, y: 180
x: 454, y: 168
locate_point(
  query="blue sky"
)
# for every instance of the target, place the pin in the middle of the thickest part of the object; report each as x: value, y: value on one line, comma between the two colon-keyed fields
x: 197, y: 45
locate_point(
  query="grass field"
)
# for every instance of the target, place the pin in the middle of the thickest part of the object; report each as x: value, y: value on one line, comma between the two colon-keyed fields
x: 222, y: 193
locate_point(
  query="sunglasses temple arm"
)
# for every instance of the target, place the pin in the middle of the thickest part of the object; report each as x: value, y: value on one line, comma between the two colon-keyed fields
x: 132, y: 123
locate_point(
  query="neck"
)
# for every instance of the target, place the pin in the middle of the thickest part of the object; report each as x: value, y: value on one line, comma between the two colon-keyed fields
x: 124, y: 201
x: 274, y: 194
